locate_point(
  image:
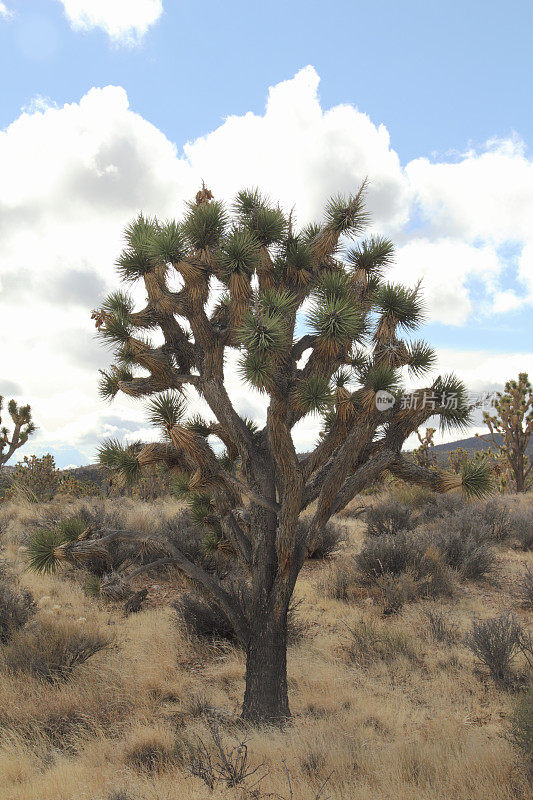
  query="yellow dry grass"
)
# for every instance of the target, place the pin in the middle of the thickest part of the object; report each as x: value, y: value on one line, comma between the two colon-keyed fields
x: 421, y: 724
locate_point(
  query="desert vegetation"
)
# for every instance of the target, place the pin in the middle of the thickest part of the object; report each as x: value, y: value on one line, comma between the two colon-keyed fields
x: 412, y: 681
x: 217, y: 615
x: 317, y: 330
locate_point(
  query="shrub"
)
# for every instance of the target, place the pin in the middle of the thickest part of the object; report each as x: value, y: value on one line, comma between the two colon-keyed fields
x: 397, y: 590
x: 438, y: 506
x: 218, y: 762
x: 203, y: 620
x: 522, y: 727
x: 35, y: 479
x: 51, y: 650
x: 72, y: 487
x: 16, y: 605
x: 465, y: 545
x: 496, y: 643
x: 329, y: 538
x: 440, y: 629
x: 367, y: 643
x: 526, y: 588
x: 411, y: 495
x: 386, y: 555
x: 388, y: 518
x: 150, y: 749
x: 521, y: 528
x: 496, y: 516
x: 402, y: 568
x: 338, y: 581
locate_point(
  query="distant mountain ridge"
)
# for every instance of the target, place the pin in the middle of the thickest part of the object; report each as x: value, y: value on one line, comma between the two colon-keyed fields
x: 473, y: 444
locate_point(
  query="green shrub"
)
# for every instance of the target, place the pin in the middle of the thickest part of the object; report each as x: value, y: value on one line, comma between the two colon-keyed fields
x: 387, y: 555
x: 471, y: 558
x: 497, y: 517
x: 439, y: 506
x: 401, y: 568
x: 521, y: 528
x: 35, y: 479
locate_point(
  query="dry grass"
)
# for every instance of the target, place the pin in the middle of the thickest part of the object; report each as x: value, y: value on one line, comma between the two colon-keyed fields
x: 390, y: 712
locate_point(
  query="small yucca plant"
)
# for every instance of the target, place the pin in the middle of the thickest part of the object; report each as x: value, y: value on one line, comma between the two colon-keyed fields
x: 42, y: 550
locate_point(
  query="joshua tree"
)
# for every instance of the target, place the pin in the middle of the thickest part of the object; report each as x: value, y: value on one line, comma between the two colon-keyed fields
x: 23, y: 429
x: 424, y: 455
x: 317, y: 331
x: 511, y: 428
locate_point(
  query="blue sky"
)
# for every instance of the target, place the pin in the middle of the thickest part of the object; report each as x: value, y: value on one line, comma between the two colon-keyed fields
x: 438, y: 75
x: 431, y: 100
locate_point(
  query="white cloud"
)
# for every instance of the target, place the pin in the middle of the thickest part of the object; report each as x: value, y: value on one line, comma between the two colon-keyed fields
x: 5, y: 12
x: 302, y: 154
x: 482, y: 197
x: 73, y: 176
x: 125, y: 21
x: 445, y: 265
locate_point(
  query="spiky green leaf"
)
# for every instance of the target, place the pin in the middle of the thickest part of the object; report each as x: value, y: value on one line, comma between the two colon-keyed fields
x: 71, y: 529
x: 166, y: 410
x: 336, y: 321
x: 108, y: 385
x: 314, y: 394
x: 120, y: 458
x: 257, y: 369
x: 347, y: 215
x: 422, y: 358
x: 168, y: 245
x: 372, y: 256
x: 263, y: 333
x: 41, y: 549
x: 476, y: 476
x: 453, y: 405
x: 205, y: 224
x: 403, y: 305
x: 239, y: 254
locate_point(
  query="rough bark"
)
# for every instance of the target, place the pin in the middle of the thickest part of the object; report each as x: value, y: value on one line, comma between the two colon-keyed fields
x: 266, y: 698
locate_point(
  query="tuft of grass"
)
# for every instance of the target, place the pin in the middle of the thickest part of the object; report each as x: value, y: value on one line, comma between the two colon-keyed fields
x: 522, y: 727
x: 51, y: 650
x: 525, y: 588
x: 367, y: 644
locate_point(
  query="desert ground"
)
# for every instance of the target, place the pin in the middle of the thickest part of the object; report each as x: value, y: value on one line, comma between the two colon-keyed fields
x: 383, y: 705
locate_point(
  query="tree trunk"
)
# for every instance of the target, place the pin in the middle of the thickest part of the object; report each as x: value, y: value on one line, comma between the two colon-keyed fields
x: 265, y: 699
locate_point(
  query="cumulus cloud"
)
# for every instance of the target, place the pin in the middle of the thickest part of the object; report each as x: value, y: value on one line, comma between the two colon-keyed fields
x: 483, y: 197
x: 125, y: 21
x: 445, y: 266
x: 73, y: 176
